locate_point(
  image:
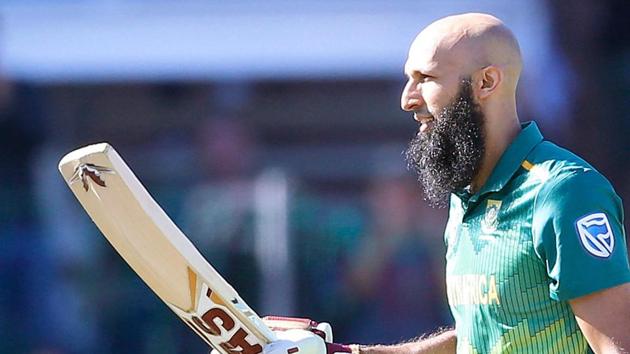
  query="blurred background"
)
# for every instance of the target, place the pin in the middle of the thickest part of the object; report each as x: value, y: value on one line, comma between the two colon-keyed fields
x: 258, y: 124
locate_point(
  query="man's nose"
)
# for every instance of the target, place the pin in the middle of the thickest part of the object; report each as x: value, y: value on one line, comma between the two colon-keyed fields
x: 411, y: 99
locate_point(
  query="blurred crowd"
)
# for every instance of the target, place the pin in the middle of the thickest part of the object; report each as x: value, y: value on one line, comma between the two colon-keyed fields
x: 353, y: 242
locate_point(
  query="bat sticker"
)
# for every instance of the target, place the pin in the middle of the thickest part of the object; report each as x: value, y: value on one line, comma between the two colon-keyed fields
x: 85, y: 170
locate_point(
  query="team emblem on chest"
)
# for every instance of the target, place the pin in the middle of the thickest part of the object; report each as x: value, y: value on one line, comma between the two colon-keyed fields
x: 491, y: 218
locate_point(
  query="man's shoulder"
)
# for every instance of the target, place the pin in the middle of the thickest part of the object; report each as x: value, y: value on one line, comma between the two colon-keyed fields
x: 553, y: 163
x: 556, y: 160
x: 561, y: 171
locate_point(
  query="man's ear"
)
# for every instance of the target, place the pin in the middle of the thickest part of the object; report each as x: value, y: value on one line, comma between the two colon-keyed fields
x: 490, y: 79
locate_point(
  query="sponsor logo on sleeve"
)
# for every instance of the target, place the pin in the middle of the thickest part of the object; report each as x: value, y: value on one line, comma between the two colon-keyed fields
x: 596, y: 235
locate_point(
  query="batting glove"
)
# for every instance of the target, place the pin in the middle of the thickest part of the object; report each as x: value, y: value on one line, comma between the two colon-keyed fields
x: 302, y: 336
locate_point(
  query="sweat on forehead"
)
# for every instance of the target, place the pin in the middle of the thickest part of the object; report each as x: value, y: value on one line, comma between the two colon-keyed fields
x: 466, y: 41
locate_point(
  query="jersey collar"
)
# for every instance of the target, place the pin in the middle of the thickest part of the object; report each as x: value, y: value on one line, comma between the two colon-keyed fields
x: 512, y: 158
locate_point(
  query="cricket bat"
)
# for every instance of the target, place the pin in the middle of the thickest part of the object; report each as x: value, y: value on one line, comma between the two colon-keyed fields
x: 155, y: 248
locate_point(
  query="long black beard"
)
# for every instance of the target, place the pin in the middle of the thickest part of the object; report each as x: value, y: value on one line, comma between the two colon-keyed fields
x: 449, y: 154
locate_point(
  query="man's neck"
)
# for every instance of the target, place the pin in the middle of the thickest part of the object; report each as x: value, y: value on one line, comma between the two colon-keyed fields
x: 496, y: 144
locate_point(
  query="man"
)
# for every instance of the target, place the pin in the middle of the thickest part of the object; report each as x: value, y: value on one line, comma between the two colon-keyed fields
x: 536, y: 254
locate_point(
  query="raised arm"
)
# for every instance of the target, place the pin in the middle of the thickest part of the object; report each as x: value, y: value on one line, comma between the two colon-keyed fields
x: 444, y: 342
x: 304, y: 336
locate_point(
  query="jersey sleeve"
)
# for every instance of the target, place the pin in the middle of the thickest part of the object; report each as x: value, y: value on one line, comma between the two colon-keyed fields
x: 578, y: 232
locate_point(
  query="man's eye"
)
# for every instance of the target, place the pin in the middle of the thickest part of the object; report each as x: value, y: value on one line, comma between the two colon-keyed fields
x: 423, y: 78
x: 419, y: 78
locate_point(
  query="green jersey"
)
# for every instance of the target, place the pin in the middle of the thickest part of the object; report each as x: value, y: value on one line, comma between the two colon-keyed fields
x: 545, y: 228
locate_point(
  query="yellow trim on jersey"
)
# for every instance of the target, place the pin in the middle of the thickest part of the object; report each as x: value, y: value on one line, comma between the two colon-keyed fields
x: 527, y: 165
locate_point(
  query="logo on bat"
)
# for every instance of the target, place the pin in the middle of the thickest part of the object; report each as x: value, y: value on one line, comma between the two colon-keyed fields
x: 596, y: 235
x: 211, y: 320
x: 87, y: 170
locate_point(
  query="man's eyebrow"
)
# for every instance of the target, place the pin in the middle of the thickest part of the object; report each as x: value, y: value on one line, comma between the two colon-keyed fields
x: 415, y: 72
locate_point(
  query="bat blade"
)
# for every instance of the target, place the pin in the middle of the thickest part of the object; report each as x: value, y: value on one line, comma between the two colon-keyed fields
x: 147, y: 239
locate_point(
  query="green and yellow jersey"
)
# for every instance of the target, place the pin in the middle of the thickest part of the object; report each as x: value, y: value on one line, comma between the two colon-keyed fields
x: 545, y: 228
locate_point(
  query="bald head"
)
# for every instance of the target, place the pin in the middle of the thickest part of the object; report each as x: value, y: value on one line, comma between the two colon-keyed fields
x: 466, y: 43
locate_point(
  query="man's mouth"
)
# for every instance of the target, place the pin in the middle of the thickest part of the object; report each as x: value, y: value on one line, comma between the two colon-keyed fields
x: 425, y: 123
x: 425, y: 120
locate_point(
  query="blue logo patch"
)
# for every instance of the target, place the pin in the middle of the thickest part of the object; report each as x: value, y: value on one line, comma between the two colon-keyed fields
x: 596, y: 235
